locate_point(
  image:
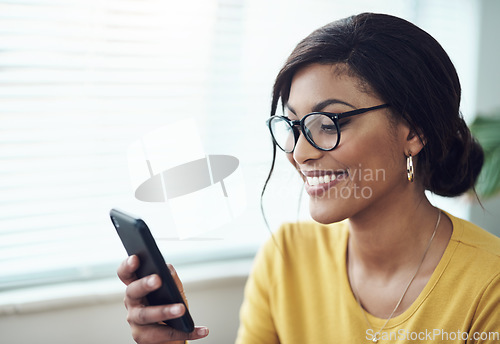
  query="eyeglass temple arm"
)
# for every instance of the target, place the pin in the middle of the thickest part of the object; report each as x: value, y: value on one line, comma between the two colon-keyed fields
x: 360, y: 111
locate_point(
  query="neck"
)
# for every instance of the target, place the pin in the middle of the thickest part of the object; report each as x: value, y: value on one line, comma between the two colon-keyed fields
x: 386, y: 244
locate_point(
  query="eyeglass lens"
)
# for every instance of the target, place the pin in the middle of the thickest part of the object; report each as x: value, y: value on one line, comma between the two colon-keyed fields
x: 319, y: 129
x: 283, y: 134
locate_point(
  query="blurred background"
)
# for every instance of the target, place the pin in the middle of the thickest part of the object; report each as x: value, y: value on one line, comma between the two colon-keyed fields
x: 80, y: 80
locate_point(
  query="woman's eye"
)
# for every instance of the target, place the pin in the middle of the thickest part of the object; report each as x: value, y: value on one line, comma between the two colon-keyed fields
x: 328, y: 128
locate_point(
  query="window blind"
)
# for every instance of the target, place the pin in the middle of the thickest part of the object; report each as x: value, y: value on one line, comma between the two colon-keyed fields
x: 79, y: 81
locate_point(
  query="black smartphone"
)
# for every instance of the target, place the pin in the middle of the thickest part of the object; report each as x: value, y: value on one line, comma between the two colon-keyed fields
x: 137, y: 239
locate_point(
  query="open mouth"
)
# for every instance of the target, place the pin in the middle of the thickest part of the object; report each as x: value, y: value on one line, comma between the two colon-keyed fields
x: 326, y: 178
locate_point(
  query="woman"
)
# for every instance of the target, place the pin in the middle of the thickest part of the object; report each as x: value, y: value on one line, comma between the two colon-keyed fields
x: 371, y: 120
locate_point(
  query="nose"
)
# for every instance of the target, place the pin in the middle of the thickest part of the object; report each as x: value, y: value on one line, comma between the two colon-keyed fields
x: 304, y: 151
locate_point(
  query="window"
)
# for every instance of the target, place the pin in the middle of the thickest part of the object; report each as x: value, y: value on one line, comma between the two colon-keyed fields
x: 81, y: 80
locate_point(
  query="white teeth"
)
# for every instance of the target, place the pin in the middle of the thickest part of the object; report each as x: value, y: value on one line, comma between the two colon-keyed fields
x: 327, y: 178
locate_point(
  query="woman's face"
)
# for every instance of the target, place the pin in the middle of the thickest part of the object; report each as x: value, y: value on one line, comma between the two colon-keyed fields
x: 368, y: 168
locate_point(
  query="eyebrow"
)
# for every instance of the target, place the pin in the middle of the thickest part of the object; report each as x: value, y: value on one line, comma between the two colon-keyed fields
x: 321, y: 105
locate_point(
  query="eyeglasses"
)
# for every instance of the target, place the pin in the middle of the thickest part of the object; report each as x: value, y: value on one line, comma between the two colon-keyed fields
x: 321, y: 129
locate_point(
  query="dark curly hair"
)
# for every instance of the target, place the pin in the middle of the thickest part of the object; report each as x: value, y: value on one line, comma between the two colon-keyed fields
x: 407, y: 68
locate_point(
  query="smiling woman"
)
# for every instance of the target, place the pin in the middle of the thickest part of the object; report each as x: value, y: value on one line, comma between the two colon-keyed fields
x: 390, y: 266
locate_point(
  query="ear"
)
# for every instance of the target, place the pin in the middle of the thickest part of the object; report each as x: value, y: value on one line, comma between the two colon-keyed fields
x: 412, y: 140
x: 415, y: 141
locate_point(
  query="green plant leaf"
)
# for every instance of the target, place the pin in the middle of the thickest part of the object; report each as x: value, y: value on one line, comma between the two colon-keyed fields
x: 486, y: 129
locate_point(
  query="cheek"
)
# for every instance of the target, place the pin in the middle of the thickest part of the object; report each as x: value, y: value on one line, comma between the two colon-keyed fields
x: 371, y: 157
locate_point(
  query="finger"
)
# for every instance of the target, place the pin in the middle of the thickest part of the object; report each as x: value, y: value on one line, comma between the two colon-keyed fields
x: 126, y: 270
x: 178, y: 282
x: 156, y: 334
x: 154, y: 314
x: 138, y: 289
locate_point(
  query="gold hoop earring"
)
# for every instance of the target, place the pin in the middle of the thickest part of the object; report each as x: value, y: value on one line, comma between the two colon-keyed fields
x: 409, y: 168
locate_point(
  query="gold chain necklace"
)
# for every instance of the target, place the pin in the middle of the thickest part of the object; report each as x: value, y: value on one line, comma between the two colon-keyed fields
x: 377, y: 334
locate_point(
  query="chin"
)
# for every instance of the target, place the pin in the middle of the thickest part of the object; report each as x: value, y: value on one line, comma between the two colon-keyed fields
x: 326, y: 214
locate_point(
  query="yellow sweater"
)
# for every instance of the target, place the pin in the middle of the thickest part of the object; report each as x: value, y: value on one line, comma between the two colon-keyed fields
x: 303, y: 295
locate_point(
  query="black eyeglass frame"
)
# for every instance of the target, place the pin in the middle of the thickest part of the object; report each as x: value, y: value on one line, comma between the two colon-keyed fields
x: 335, y: 117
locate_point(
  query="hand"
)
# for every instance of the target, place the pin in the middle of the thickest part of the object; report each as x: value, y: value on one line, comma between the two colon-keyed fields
x: 146, y: 322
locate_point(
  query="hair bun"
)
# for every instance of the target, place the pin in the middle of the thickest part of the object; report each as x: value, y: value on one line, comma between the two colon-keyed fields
x: 458, y: 171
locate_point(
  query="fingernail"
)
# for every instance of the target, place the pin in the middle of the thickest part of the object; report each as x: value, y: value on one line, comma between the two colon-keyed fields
x: 172, y: 269
x: 152, y: 281
x: 202, y: 331
x: 129, y: 261
x: 175, y: 309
